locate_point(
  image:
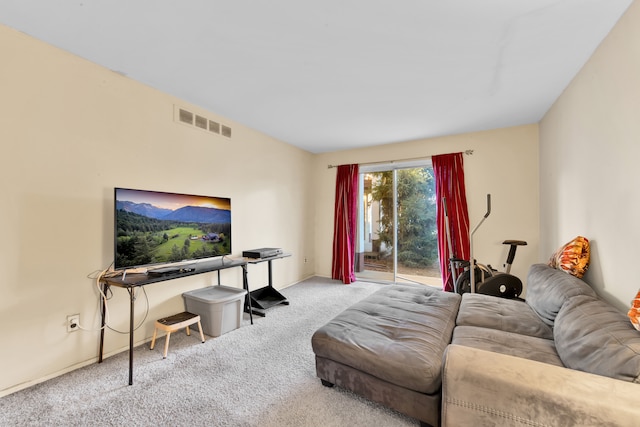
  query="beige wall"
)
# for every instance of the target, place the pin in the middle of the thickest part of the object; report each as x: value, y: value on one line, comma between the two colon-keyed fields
x: 504, y: 163
x: 71, y: 131
x: 589, y: 152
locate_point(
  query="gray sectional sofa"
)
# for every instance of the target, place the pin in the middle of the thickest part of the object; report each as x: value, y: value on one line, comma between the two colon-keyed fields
x: 564, y: 357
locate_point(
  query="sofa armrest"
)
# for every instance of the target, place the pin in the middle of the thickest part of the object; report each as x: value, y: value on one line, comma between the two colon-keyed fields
x: 483, y: 388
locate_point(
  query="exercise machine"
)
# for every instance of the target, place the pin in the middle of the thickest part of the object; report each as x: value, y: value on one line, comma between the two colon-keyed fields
x: 484, y: 279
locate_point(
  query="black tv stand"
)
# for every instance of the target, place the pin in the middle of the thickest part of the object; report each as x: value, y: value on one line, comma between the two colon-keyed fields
x: 266, y: 297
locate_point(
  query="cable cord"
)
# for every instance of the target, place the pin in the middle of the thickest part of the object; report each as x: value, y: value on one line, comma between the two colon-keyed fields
x: 104, y: 298
x: 98, y: 278
x: 146, y: 313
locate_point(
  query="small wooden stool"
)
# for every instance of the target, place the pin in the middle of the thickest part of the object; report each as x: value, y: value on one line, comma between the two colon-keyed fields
x: 172, y: 324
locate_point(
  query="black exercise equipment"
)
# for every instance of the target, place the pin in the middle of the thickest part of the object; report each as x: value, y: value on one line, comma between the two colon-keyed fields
x: 484, y: 279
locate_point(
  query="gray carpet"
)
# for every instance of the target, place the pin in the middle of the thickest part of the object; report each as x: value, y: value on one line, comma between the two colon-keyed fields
x: 257, y: 375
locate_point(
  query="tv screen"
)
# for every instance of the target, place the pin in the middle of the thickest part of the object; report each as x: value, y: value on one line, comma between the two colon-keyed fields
x: 154, y: 227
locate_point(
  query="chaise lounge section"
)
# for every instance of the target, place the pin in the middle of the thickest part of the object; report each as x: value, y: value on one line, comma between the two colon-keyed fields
x: 389, y: 346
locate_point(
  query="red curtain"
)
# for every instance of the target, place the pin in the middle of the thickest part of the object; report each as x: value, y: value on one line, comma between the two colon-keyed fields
x: 344, y: 225
x: 449, y: 176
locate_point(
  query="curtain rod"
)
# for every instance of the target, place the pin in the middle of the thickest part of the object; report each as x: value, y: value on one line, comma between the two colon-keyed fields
x: 467, y: 152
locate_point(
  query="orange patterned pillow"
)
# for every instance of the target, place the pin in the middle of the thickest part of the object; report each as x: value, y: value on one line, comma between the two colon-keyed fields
x: 572, y: 257
x: 634, y: 312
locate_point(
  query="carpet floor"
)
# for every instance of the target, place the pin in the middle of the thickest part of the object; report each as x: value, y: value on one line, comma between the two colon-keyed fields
x: 257, y: 375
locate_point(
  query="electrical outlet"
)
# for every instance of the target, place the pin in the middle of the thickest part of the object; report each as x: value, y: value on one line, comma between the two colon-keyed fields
x: 73, y: 322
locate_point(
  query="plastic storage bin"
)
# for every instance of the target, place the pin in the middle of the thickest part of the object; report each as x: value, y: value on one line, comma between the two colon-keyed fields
x: 219, y: 307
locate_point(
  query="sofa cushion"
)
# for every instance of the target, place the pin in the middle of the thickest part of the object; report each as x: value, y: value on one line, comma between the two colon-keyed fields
x: 548, y: 289
x: 508, y: 315
x: 513, y: 344
x: 397, y: 334
x: 592, y: 336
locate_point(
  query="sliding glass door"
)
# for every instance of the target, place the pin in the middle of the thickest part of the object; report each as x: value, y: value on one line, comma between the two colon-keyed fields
x: 397, y: 233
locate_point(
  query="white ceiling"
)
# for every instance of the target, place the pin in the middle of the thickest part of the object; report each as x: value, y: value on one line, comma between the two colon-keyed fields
x: 328, y: 75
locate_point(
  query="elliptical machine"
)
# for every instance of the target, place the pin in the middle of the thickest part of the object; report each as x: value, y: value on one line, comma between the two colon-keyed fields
x: 484, y: 279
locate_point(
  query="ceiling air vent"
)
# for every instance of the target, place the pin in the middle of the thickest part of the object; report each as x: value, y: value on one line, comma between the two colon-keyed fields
x: 201, y: 122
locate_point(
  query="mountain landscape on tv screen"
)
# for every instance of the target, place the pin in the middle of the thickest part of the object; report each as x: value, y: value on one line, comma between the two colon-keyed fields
x: 146, y: 234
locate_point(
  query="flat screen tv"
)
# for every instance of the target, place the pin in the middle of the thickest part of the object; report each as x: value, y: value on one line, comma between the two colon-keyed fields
x: 153, y: 227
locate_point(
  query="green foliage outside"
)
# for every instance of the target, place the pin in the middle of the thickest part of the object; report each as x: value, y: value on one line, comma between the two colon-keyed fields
x: 417, y: 229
